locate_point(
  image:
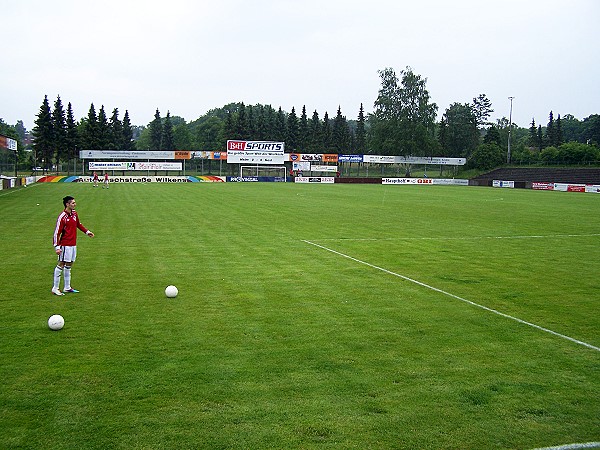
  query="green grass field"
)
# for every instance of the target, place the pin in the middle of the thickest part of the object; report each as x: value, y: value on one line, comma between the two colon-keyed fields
x: 297, y: 324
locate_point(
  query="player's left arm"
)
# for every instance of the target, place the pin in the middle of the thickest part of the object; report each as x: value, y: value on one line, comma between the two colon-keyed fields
x: 84, y: 229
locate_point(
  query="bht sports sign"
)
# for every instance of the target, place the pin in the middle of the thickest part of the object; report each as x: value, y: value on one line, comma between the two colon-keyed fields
x: 255, y: 152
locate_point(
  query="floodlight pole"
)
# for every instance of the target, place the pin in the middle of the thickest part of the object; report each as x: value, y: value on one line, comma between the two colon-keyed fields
x: 509, y: 130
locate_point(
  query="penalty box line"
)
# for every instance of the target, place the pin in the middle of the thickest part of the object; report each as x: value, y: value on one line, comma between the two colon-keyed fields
x: 427, y: 286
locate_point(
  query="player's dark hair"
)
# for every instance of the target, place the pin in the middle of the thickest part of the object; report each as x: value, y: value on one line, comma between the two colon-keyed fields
x: 67, y: 199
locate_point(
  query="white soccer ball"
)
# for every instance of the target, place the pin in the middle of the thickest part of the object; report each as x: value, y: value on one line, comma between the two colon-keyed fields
x: 171, y: 291
x: 56, y: 322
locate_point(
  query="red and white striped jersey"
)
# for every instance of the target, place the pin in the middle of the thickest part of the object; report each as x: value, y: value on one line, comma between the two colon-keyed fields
x: 65, y: 232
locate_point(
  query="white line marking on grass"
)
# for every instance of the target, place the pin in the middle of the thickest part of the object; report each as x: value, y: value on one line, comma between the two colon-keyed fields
x: 516, y: 319
x: 458, y: 238
x: 572, y: 446
x: 13, y: 190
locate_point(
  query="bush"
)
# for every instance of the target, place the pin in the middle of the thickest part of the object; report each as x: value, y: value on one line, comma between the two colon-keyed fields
x: 571, y: 153
x: 487, y: 156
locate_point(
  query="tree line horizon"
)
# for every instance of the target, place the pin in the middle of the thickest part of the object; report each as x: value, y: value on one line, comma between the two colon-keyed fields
x: 403, y: 123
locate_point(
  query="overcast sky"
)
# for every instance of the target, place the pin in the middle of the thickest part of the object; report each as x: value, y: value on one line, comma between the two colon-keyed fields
x: 190, y: 56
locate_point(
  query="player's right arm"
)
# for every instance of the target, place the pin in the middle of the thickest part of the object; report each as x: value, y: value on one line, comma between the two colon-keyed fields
x: 58, y: 231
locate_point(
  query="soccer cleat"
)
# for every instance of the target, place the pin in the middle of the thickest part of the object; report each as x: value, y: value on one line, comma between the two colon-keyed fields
x: 56, y: 291
x: 71, y: 291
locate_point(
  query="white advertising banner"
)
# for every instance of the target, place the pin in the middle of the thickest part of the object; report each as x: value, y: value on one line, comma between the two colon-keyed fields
x: 406, y: 181
x: 323, y: 168
x: 451, y: 181
x: 379, y: 159
x: 503, y: 184
x: 98, y: 165
x: 255, y: 152
x: 301, y: 165
x: 437, y: 160
x: 119, y: 154
x: 158, y: 166
x: 428, y: 181
x: 322, y: 180
x: 109, y: 165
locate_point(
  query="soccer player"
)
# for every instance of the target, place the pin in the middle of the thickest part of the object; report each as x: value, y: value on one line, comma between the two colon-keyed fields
x: 65, y: 245
x: 105, y: 185
x: 95, y: 179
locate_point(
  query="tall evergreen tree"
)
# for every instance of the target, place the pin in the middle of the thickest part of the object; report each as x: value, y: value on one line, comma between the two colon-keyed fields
x: 550, y: 131
x: 315, y: 139
x: 59, y: 135
x: 156, y: 132
x: 241, y: 123
x: 280, y: 130
x: 229, y: 129
x: 251, y: 124
x: 558, y: 132
x: 115, y: 127
x: 72, y: 138
x: 168, y: 140
x: 443, y: 136
x: 540, y: 139
x: 271, y: 123
x: 43, y: 136
x: 89, y: 130
x: 326, y: 135
x: 340, y: 133
x: 292, y: 131
x: 104, y: 133
x: 127, y: 142
x: 303, y: 133
x: 361, y: 134
x: 261, y: 123
x: 533, y: 134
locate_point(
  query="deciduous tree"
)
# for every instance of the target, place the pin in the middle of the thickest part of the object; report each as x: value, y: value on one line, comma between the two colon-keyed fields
x: 462, y: 135
x: 482, y: 108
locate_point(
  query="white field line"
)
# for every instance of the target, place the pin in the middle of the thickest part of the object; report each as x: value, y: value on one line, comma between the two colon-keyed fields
x: 13, y: 190
x: 572, y: 446
x: 458, y: 238
x: 516, y: 319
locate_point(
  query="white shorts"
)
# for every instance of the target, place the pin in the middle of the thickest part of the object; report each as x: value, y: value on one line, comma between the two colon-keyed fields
x: 68, y: 254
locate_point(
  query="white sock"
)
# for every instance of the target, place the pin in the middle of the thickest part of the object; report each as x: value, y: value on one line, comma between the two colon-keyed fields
x: 67, y: 277
x: 57, y: 273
